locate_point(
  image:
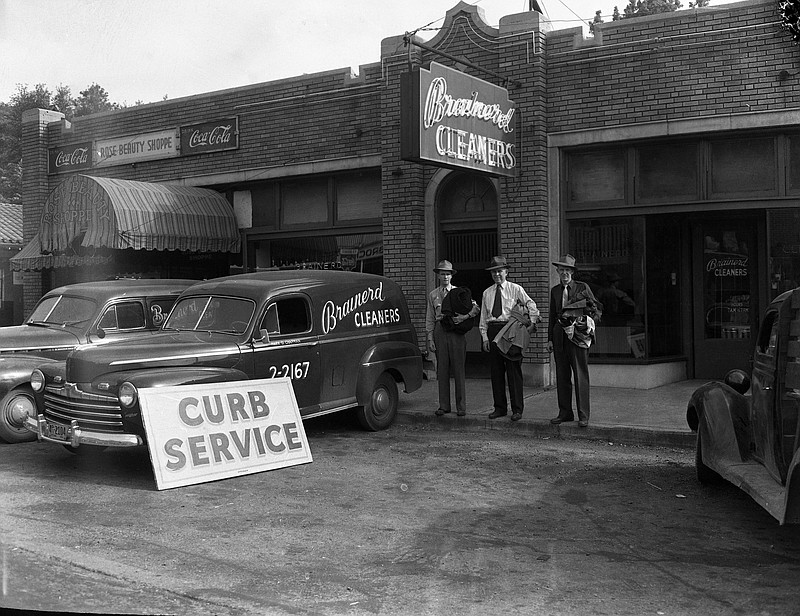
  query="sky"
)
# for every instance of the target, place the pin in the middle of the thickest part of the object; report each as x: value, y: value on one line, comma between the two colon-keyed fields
x: 146, y: 50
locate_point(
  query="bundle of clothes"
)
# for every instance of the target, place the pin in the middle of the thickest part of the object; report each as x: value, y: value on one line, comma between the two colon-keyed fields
x: 579, y: 317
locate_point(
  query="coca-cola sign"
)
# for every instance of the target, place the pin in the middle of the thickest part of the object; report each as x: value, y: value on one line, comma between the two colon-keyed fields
x: 73, y: 157
x: 213, y: 136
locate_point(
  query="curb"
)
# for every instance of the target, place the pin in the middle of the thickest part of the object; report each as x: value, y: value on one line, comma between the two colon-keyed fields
x: 543, y: 428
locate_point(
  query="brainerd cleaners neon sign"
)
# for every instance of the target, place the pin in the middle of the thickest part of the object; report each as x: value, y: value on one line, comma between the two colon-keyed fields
x: 451, y: 119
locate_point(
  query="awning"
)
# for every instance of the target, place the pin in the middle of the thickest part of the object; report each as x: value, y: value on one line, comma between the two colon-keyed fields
x: 85, y: 212
x: 31, y: 258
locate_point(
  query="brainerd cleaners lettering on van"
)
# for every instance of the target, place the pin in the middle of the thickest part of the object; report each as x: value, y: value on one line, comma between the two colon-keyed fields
x: 333, y: 314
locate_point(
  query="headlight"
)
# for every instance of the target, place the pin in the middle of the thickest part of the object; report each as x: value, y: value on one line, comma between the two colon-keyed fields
x: 37, y: 381
x: 127, y: 394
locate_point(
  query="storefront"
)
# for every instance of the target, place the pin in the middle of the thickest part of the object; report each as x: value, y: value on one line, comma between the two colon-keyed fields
x: 663, y: 153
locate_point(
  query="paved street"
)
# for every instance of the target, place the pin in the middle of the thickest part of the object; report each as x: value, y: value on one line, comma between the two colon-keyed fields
x: 413, y: 520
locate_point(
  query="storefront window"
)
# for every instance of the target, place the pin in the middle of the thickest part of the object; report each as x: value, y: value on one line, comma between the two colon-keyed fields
x: 743, y: 167
x: 610, y: 255
x: 667, y: 172
x: 784, y: 250
x: 727, y: 301
x: 361, y: 252
x: 596, y: 177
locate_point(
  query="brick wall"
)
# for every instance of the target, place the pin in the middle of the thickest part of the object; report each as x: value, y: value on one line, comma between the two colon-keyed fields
x: 687, y: 64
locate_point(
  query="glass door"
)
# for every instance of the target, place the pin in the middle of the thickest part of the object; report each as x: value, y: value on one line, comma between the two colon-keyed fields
x: 725, y: 295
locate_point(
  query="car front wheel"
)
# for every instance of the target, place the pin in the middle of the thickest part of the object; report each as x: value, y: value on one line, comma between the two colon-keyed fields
x: 14, y: 407
x: 381, y: 410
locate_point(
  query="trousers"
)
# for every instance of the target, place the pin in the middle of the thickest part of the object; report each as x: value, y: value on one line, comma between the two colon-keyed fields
x: 504, y: 370
x: 451, y: 359
x: 572, y: 364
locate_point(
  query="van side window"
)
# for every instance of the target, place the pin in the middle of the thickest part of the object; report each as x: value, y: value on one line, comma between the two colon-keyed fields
x: 768, y: 336
x: 287, y: 316
x: 126, y: 315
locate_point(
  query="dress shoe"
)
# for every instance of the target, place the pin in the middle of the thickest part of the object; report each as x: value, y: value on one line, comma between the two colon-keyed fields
x: 516, y: 417
x: 583, y: 423
x: 496, y: 414
x: 559, y: 420
x: 440, y: 412
x: 461, y: 413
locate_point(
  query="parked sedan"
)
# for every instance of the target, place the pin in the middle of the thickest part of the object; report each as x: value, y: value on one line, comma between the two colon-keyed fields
x: 345, y: 339
x: 88, y: 313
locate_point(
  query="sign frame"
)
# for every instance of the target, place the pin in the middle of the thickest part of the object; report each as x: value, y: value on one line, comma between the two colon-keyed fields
x: 473, y: 129
x: 213, y: 431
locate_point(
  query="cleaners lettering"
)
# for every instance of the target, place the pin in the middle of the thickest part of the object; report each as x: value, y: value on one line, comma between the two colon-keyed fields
x: 249, y: 440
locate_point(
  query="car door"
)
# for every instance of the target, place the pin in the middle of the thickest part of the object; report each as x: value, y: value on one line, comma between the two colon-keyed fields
x: 286, y: 345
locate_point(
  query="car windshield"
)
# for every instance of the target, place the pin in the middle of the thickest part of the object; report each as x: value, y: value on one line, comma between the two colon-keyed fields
x: 210, y: 313
x: 63, y: 310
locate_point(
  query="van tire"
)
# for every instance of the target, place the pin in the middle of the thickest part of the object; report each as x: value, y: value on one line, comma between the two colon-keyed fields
x: 705, y: 475
x: 11, y: 431
x: 381, y: 410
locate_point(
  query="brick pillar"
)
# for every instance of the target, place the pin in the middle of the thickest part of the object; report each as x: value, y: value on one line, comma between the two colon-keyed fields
x: 403, y: 190
x: 35, y: 188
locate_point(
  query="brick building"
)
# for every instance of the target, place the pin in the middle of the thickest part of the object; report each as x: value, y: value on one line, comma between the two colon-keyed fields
x: 664, y: 153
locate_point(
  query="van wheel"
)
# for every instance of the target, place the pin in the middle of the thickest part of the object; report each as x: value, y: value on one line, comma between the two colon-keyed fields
x: 381, y: 410
x: 14, y: 407
x: 705, y: 475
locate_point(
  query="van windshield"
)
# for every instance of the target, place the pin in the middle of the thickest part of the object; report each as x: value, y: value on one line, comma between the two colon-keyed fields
x: 211, y: 313
x: 63, y: 310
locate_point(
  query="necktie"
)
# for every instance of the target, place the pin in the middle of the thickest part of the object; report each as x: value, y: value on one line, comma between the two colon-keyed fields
x: 497, y: 309
x: 565, y: 296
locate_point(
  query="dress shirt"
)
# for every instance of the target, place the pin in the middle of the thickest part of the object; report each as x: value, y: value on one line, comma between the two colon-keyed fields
x: 433, y: 312
x: 512, y: 295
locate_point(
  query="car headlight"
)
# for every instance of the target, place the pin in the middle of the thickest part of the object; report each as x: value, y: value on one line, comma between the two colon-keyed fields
x: 127, y: 394
x: 37, y: 380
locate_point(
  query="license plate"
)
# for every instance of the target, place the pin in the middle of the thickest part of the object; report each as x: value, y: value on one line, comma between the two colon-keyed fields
x: 56, y: 431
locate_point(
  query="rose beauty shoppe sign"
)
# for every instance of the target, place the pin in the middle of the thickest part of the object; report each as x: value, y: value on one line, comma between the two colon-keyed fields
x: 451, y: 119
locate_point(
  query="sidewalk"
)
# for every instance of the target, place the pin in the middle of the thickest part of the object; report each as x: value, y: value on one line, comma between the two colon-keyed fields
x: 655, y: 417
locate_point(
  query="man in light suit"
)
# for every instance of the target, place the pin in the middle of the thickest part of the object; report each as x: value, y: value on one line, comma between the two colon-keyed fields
x: 497, y: 304
x: 570, y: 352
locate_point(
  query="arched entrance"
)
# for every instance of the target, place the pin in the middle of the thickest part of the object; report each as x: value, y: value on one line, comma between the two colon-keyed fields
x: 466, y: 235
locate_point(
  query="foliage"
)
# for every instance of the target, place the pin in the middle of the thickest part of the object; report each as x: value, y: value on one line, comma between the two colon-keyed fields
x: 790, y: 18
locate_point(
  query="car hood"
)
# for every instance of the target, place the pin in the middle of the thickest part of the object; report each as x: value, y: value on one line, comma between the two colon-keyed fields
x: 175, y: 349
x: 34, y: 338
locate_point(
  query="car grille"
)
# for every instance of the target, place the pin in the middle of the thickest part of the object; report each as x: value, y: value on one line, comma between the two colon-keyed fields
x: 92, y: 411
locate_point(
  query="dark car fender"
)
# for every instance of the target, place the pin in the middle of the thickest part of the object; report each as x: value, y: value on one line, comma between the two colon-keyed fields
x: 168, y: 377
x: 792, y: 512
x: 165, y: 377
x: 15, y: 370
x: 402, y: 360
x: 721, y: 416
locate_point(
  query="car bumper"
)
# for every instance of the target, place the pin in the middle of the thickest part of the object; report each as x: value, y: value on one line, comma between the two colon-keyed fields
x: 75, y: 436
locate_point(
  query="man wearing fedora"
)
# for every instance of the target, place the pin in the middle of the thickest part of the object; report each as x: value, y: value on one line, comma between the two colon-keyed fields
x: 496, y: 305
x: 449, y: 345
x: 570, y: 350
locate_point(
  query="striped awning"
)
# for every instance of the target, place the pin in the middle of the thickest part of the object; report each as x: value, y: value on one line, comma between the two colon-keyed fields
x: 32, y: 258
x: 114, y: 213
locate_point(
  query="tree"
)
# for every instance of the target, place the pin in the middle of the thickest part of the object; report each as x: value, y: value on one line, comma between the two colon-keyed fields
x: 640, y: 8
x: 93, y: 100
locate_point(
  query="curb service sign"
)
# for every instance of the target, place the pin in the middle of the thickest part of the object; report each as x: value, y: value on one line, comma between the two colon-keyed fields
x: 200, y: 433
x: 451, y: 119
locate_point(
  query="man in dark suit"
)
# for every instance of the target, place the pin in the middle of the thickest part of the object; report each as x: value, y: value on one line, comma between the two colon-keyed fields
x: 569, y: 341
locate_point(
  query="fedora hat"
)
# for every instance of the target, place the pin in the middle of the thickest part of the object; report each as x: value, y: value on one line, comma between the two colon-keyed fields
x: 497, y: 263
x: 566, y: 261
x: 444, y: 266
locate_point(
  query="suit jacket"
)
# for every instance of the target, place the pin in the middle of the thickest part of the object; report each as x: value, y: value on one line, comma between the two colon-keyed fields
x: 575, y: 287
